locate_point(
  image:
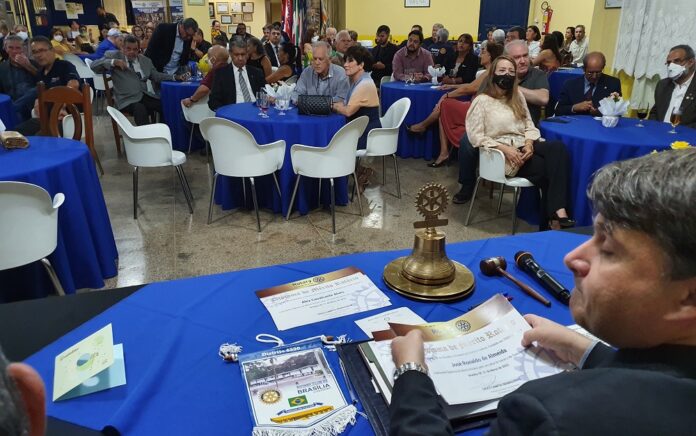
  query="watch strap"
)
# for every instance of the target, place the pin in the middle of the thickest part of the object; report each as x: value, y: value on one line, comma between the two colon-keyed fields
x: 409, y: 366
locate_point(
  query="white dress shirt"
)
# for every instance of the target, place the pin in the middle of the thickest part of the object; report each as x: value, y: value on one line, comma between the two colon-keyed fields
x: 677, y: 97
x: 579, y: 50
x: 238, y: 88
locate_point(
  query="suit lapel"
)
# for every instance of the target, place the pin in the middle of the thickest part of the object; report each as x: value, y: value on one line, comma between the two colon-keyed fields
x: 690, y: 95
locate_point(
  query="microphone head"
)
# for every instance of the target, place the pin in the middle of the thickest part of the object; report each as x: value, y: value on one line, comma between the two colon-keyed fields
x: 522, y: 256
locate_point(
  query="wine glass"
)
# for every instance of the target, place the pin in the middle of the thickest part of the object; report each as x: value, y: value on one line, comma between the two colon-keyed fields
x: 259, y: 97
x: 641, y: 113
x: 264, y: 105
x: 675, y: 119
x: 409, y: 76
x: 283, y: 105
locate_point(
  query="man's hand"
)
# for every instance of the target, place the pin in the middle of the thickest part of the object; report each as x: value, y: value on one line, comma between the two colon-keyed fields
x: 408, y: 348
x: 583, y: 106
x: 378, y: 66
x: 120, y: 64
x: 187, y: 102
x: 528, y: 150
x: 566, y: 344
x: 182, y: 77
x: 512, y: 154
x: 22, y: 61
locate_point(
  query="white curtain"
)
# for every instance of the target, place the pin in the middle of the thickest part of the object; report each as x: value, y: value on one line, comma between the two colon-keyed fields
x: 647, y: 30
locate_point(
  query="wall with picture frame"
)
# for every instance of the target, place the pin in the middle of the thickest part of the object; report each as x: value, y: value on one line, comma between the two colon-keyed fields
x: 252, y: 13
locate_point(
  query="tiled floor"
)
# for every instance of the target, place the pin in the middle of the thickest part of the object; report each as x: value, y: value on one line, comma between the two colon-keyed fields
x: 166, y: 242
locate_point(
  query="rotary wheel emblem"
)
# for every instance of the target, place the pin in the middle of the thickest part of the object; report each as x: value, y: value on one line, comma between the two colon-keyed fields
x: 270, y: 396
x: 431, y: 200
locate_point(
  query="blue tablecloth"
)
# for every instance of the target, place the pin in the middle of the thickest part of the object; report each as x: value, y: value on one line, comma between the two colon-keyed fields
x: 171, y: 331
x: 7, y: 112
x: 423, y: 100
x: 86, y: 252
x: 591, y: 146
x: 171, y: 94
x: 294, y: 128
x: 558, y: 78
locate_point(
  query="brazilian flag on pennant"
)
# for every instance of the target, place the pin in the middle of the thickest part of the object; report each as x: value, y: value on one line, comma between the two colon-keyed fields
x: 297, y: 401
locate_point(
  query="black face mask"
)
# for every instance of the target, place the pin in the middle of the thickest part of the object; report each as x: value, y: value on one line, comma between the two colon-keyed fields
x: 504, y: 81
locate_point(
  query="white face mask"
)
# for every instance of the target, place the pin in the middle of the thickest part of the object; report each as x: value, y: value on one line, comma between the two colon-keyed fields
x: 315, y: 38
x: 23, y: 35
x: 211, y: 62
x: 58, y: 38
x: 674, y: 71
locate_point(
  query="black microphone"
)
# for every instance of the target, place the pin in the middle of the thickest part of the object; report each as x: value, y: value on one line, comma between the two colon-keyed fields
x: 525, y: 261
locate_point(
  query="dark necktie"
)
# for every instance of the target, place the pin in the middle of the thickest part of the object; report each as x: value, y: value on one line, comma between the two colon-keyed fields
x: 588, y: 94
x: 245, y: 89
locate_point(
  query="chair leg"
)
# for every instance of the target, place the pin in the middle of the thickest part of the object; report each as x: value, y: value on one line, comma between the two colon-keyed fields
x: 514, y: 209
x: 179, y: 172
x: 277, y: 185
x: 135, y: 193
x: 333, y: 207
x: 500, y: 199
x: 319, y: 195
x: 188, y: 186
x: 244, y: 190
x: 384, y: 170
x: 53, y: 276
x: 355, y: 179
x: 95, y: 156
x: 193, y: 126
x: 212, y: 198
x: 490, y: 191
x: 396, y: 173
x: 256, y: 204
x: 292, y: 199
x: 473, y: 198
x: 117, y: 137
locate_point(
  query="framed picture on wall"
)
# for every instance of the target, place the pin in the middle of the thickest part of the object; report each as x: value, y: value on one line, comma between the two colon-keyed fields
x: 416, y: 3
x: 231, y: 29
x: 612, y: 4
x: 236, y: 7
x: 248, y: 7
x: 237, y: 19
x: 196, y: 2
x: 248, y: 17
x: 225, y: 19
x: 222, y: 8
x: 211, y: 10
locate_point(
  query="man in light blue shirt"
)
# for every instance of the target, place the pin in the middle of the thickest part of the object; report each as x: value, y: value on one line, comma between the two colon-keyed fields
x: 111, y: 42
x: 322, y: 77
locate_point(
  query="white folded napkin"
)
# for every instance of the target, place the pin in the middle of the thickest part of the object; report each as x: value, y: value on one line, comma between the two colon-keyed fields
x: 435, y: 73
x: 612, y: 108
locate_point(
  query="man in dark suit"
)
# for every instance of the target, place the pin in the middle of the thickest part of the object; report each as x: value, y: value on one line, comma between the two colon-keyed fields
x: 104, y: 18
x: 170, y: 45
x: 383, y: 53
x: 273, y: 45
x: 236, y: 82
x: 635, y: 288
x: 583, y: 94
x: 678, y: 90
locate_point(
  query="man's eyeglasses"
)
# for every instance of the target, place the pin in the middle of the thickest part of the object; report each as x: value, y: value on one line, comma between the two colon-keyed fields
x: 593, y: 73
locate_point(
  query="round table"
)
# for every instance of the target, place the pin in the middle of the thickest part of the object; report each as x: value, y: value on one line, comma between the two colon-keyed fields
x: 559, y: 77
x: 591, y: 146
x: 86, y: 251
x: 7, y: 112
x: 294, y: 128
x: 171, y: 94
x: 423, y: 100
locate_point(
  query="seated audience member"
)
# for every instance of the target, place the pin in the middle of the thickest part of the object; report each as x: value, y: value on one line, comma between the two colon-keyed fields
x: 22, y: 400
x: 199, y: 46
x: 383, y: 54
x: 241, y: 32
x: 287, y: 55
x: 258, y: 57
x: 330, y: 36
x: 489, y: 34
x: 678, y: 90
x: 427, y: 42
x: 170, y: 45
x: 464, y: 62
x: 203, y: 65
x: 566, y: 58
x: 216, y: 30
x: 354, y: 36
x: 18, y: 77
x: 569, y: 37
x: 342, y: 44
x: 442, y: 51
x: 578, y: 47
x: 582, y: 95
x: 284, y: 37
x: 304, y: 50
x: 138, y: 32
x: 130, y: 72
x: 52, y: 72
x: 635, y: 289
x: 323, y: 77
x: 74, y: 31
x: 273, y: 45
x: 533, y: 36
x: 146, y: 39
x: 499, y: 36
x: 217, y: 57
x: 60, y: 44
x: 413, y: 58
x: 414, y: 27
x: 266, y: 33
x: 549, y: 58
x: 236, y: 82
x: 103, y: 32
x: 111, y: 42
x: 515, y: 33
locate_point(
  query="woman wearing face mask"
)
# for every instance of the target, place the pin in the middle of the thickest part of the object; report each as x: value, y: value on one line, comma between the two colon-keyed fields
x: 498, y: 118
x: 257, y: 56
x: 61, y: 46
x: 286, y: 56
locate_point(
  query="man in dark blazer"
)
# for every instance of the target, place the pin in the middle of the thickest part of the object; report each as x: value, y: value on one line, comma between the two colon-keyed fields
x: 678, y: 90
x: 236, y: 82
x: 635, y: 288
x: 582, y: 95
x: 383, y: 53
x: 170, y: 45
x: 273, y: 45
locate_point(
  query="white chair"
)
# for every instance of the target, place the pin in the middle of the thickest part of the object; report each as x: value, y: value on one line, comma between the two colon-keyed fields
x: 83, y: 70
x: 384, y: 140
x: 335, y: 160
x: 69, y: 124
x: 28, y: 227
x: 150, y: 146
x: 99, y: 84
x: 492, y: 168
x: 195, y: 114
x: 237, y: 154
x: 385, y: 79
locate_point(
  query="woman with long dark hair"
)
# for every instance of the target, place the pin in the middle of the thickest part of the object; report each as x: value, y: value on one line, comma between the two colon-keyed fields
x: 532, y: 37
x: 549, y: 59
x: 257, y: 56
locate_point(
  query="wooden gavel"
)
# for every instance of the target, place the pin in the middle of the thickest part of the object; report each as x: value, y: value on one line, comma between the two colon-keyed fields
x: 495, y: 266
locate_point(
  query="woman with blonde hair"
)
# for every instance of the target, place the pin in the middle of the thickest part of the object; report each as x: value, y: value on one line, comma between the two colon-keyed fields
x: 499, y: 118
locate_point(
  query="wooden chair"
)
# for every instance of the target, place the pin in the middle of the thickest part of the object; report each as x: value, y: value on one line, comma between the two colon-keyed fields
x: 52, y: 101
x: 108, y: 85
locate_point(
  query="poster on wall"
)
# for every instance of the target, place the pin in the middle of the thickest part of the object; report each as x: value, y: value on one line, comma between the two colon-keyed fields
x: 59, y: 5
x: 71, y: 11
x: 176, y: 9
x: 148, y: 10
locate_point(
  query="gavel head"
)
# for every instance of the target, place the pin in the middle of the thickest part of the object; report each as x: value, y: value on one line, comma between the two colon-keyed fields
x: 490, y: 266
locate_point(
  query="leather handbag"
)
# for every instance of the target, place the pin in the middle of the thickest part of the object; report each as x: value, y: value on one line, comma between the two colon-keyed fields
x: 314, y: 104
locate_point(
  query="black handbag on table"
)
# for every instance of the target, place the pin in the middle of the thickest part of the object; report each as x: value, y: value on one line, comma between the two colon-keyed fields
x: 314, y: 104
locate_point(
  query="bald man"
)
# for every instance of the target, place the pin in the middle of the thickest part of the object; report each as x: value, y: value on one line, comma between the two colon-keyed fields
x: 218, y: 57
x: 582, y: 95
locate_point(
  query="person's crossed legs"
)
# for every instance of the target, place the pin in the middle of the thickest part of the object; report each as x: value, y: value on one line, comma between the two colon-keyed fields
x: 468, y: 163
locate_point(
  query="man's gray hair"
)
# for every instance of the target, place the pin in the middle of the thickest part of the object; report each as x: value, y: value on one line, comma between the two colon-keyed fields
x: 438, y: 26
x: 499, y: 36
x: 516, y: 42
x: 343, y: 34
x: 655, y: 195
x: 10, y: 38
x: 442, y: 35
x: 13, y: 417
x: 237, y: 42
x: 324, y: 44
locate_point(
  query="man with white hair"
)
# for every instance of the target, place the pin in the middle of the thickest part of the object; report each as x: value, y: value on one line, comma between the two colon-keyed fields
x: 499, y: 36
x: 343, y: 43
x: 433, y: 36
x: 111, y: 42
x: 18, y: 77
x: 322, y: 77
x: 442, y: 51
x: 330, y: 35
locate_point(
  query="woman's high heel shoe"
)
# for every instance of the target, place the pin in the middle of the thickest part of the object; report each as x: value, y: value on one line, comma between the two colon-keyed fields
x: 436, y: 164
x: 564, y: 223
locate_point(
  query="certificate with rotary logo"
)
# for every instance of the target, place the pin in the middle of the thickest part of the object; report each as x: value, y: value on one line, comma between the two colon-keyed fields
x: 327, y: 296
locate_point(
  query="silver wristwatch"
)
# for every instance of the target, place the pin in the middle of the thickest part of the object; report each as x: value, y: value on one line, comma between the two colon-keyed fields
x: 409, y: 366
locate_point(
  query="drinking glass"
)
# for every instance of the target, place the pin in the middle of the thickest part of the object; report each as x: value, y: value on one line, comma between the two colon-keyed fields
x: 675, y: 119
x: 264, y: 105
x: 283, y: 105
x: 259, y: 97
x: 409, y: 76
x: 641, y: 113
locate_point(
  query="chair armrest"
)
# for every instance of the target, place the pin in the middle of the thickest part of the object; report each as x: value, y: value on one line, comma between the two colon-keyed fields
x: 275, y: 149
x: 149, y: 131
x: 58, y: 200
